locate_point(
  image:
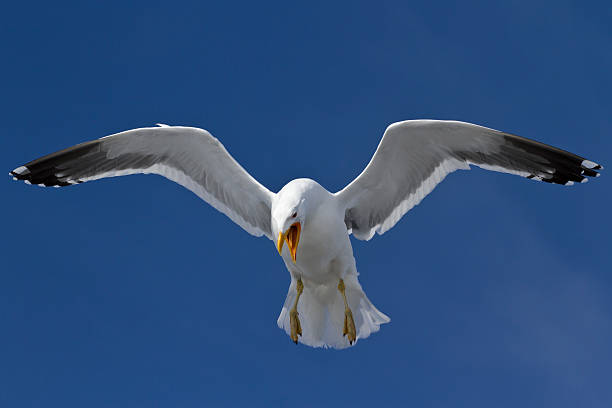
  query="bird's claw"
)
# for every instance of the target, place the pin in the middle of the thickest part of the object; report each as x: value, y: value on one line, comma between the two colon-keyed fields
x: 349, y: 326
x: 296, y: 327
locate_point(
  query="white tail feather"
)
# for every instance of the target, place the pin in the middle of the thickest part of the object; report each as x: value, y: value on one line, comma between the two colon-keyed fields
x: 321, y: 313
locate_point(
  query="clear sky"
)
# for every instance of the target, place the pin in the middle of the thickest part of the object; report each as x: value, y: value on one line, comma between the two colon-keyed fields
x: 132, y: 292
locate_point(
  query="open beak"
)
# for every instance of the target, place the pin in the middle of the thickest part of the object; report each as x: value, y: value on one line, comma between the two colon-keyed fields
x: 292, y: 236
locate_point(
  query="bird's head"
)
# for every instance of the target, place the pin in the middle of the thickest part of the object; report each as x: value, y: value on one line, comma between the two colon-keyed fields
x: 289, y: 218
x: 289, y: 213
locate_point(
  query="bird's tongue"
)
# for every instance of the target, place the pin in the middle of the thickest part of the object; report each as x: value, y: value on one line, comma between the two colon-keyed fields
x: 293, y: 237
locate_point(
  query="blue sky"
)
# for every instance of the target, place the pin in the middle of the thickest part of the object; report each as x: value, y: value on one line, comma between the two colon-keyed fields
x: 132, y: 292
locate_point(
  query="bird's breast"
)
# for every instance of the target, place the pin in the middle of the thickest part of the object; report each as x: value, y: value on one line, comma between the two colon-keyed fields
x: 324, y: 240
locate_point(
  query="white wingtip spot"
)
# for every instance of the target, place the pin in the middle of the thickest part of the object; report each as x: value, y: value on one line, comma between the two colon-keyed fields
x: 15, y: 178
x: 569, y: 183
x: 161, y: 125
x: 589, y: 164
x: 27, y: 181
x: 597, y: 175
x: 584, y: 180
x: 21, y: 170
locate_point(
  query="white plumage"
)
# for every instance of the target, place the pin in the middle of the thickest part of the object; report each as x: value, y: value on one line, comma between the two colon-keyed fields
x: 412, y: 158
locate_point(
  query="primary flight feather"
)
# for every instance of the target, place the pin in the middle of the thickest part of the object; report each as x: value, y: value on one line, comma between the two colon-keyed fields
x: 309, y: 226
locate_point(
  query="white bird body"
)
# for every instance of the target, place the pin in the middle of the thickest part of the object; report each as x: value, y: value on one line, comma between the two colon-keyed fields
x: 324, y: 256
x: 323, y: 237
x: 411, y: 159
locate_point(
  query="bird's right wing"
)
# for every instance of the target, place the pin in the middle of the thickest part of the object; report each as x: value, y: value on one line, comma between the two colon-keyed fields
x: 189, y: 156
x: 415, y: 155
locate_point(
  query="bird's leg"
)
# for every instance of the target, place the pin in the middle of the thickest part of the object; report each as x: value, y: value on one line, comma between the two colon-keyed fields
x: 296, y: 327
x: 349, y: 323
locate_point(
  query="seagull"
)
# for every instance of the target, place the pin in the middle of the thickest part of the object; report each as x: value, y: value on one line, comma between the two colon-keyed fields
x: 308, y: 225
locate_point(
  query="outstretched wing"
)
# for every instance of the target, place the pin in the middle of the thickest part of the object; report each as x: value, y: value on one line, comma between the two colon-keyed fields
x: 189, y: 156
x: 414, y: 156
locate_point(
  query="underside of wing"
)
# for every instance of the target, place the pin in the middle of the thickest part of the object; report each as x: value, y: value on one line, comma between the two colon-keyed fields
x: 414, y: 156
x: 188, y: 156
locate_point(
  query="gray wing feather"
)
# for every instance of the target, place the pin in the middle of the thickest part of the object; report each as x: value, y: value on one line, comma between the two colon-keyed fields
x: 189, y: 156
x: 414, y: 156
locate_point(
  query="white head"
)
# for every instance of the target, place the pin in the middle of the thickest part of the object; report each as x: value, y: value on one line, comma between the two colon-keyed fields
x: 290, y: 211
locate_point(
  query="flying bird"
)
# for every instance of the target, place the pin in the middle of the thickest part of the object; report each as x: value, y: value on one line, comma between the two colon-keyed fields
x: 308, y: 225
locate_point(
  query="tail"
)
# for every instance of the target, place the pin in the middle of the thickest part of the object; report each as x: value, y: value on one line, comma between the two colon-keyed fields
x: 321, y: 313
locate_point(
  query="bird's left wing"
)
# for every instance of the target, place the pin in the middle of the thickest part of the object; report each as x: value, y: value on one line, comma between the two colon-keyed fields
x: 415, y: 155
x: 189, y: 156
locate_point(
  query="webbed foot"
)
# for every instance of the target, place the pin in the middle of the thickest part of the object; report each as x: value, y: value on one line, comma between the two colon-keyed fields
x: 296, y: 327
x: 294, y: 320
x: 349, y: 323
x: 349, y: 326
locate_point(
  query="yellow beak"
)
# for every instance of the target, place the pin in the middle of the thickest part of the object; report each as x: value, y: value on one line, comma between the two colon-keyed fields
x: 292, y: 236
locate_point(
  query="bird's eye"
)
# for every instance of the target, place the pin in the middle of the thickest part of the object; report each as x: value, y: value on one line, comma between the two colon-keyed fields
x: 294, y: 215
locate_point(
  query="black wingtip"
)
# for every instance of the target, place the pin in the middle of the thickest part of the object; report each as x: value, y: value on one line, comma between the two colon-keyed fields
x: 58, y: 169
x: 589, y: 168
x: 24, y: 174
x: 21, y: 173
x: 554, y: 165
x: 587, y: 164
